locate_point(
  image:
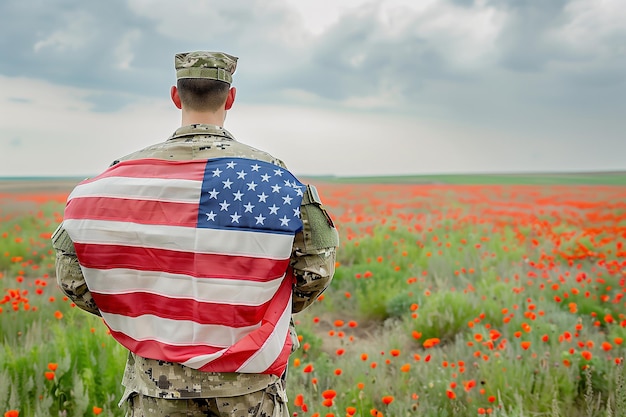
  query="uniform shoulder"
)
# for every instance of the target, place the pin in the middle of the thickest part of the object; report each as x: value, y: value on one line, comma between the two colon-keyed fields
x: 243, y: 150
x: 142, y: 153
x: 201, y: 146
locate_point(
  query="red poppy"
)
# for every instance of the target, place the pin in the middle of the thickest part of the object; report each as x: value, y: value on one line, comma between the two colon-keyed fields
x: 329, y: 394
x: 428, y: 343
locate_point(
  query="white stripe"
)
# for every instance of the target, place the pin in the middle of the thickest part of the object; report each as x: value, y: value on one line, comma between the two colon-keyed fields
x: 182, y: 239
x: 161, y: 189
x: 223, y: 291
x: 178, y: 332
x: 198, y: 362
x: 265, y: 357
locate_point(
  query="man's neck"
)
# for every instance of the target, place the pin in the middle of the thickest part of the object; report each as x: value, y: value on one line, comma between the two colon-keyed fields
x: 208, y: 118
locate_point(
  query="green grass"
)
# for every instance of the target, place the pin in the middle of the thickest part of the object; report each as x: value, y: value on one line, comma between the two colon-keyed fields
x: 582, y: 178
x: 437, y: 301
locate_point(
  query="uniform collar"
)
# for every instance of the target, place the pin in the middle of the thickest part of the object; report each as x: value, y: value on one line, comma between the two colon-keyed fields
x: 201, y: 129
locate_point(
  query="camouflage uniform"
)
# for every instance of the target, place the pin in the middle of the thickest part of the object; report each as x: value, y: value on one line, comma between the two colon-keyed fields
x: 159, y: 388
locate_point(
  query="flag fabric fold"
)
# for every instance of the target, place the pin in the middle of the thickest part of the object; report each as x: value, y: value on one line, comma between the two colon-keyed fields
x: 188, y: 261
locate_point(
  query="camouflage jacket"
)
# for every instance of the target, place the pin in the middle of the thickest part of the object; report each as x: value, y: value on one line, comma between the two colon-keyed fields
x: 313, y: 262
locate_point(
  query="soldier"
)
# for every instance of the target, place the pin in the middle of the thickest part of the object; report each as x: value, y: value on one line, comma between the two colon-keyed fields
x: 204, y: 308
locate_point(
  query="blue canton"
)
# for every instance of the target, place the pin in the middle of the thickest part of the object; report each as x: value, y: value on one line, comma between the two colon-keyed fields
x: 248, y: 194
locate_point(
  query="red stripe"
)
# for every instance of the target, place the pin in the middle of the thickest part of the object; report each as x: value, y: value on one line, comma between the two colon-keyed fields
x: 186, y: 263
x: 280, y: 364
x: 140, y: 303
x: 162, y: 351
x: 156, y: 168
x: 240, y: 352
x: 235, y: 356
x: 135, y: 211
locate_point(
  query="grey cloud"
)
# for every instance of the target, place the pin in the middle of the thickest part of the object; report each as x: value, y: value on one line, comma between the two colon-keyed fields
x: 533, y: 77
x: 524, y: 44
x: 20, y: 100
x: 73, y: 43
x: 122, y: 47
x: 355, y: 57
x: 465, y: 3
x: 16, y: 142
x: 104, y: 102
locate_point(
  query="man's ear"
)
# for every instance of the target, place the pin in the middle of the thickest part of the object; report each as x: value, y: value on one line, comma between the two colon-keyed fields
x: 231, y: 98
x: 175, y: 97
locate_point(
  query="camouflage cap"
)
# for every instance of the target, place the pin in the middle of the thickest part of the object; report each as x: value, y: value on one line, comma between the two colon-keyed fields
x: 202, y: 64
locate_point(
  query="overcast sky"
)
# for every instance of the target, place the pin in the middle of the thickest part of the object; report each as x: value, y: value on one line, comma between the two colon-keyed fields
x: 343, y: 87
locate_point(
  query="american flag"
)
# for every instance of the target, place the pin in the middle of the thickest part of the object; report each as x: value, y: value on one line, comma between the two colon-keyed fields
x: 188, y: 261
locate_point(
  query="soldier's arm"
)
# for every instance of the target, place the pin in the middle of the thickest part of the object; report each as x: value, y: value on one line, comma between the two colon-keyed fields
x: 314, y: 252
x: 69, y: 275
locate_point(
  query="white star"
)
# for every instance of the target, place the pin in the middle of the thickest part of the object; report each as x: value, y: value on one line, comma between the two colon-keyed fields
x: 210, y: 216
x: 265, y: 178
x: 260, y: 219
x: 296, y: 212
x: 249, y: 208
x: 227, y: 183
x: 235, y: 218
x: 213, y: 193
x: 287, y: 199
x: 237, y: 195
x: 274, y: 209
x: 299, y: 191
x: 224, y: 205
x: 275, y: 188
x: 231, y: 164
x: 287, y: 183
x: 241, y: 175
x: 256, y: 167
x: 262, y: 197
x: 217, y: 172
x: 278, y: 172
x: 284, y: 221
x: 252, y: 186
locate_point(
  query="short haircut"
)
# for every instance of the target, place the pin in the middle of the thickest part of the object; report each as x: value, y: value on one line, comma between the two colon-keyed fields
x: 202, y: 94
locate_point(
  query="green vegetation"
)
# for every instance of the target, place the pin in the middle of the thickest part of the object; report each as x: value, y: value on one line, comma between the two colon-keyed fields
x: 459, y: 301
x: 582, y: 178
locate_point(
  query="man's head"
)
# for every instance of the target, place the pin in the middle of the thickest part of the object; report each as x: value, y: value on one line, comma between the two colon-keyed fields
x: 203, y: 81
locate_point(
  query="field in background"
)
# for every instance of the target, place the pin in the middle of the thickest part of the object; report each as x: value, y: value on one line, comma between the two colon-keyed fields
x: 603, y: 178
x: 618, y: 178
x: 449, y: 299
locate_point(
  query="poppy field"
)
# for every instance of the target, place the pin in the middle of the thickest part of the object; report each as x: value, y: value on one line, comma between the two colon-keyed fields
x: 448, y: 300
